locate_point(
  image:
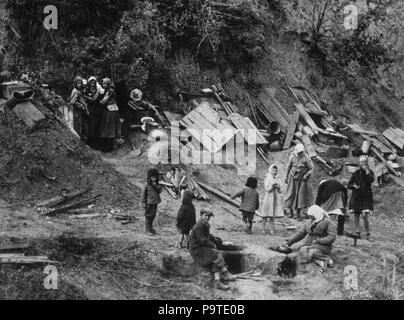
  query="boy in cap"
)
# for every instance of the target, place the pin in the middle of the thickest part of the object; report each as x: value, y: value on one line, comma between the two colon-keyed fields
x: 203, y: 249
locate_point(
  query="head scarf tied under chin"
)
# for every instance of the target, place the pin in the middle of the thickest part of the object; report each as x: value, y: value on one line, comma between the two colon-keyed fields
x: 271, y: 167
x: 317, y: 212
x: 299, y: 148
x: 363, y: 158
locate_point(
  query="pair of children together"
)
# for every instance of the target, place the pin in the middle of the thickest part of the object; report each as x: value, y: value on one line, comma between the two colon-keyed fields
x: 186, y: 217
x: 151, y: 198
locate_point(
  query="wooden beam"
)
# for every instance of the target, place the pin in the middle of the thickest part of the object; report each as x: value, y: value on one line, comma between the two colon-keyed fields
x: 306, y: 117
x: 62, y: 198
x: 222, y: 195
x: 273, y: 110
x: 26, y: 260
x: 394, y: 138
x: 291, y: 130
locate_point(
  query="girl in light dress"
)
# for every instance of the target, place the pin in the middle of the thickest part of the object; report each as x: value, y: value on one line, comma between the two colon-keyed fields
x: 273, y: 207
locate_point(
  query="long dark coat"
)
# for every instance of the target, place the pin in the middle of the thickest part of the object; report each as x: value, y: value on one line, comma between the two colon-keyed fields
x: 362, y: 198
x: 202, y: 245
x: 186, y: 218
x: 109, y: 125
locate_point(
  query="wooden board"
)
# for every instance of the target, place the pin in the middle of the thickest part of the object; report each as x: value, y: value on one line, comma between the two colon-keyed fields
x: 399, y: 132
x: 358, y: 129
x: 277, y: 105
x: 245, y: 124
x: 394, y: 138
x: 13, y: 247
x: 173, y: 118
x: 209, y: 129
x: 309, y: 121
x: 273, y: 110
x: 26, y: 260
x: 309, y: 146
x: 291, y: 130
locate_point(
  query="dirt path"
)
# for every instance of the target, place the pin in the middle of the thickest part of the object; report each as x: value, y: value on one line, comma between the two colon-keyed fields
x: 107, y: 260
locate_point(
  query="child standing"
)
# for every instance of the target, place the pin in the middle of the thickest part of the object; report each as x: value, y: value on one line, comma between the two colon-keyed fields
x: 249, y: 202
x: 361, y: 202
x: 151, y: 199
x: 186, y: 218
x: 272, y: 207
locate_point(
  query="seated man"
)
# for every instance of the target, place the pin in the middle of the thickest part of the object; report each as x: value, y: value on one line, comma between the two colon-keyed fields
x: 320, y: 232
x: 203, y: 249
x: 332, y: 196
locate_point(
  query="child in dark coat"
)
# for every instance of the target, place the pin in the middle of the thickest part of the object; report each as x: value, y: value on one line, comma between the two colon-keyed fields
x: 186, y: 217
x: 151, y: 199
x: 361, y: 202
x: 249, y: 202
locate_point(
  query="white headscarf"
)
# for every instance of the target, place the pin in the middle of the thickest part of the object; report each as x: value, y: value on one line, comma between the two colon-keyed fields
x: 100, y: 89
x: 299, y: 148
x: 363, y: 158
x: 317, y: 212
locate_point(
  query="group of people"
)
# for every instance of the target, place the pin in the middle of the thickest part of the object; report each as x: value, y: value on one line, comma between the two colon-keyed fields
x: 319, y: 229
x: 96, y: 112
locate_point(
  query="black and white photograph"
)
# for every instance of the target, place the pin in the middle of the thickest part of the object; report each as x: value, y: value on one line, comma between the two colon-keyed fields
x: 202, y: 154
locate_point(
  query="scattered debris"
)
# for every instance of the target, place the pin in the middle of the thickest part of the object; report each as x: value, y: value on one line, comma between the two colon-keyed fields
x: 177, y: 179
x: 62, y: 198
x: 74, y: 205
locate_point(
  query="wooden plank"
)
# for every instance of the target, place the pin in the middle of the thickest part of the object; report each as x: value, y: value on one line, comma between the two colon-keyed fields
x: 399, y: 132
x: 204, y: 138
x: 245, y: 124
x: 394, y: 138
x: 271, y: 109
x: 291, y: 130
x: 14, y: 247
x: 62, y: 198
x: 357, y: 129
x: 383, y: 160
x: 222, y: 195
x: 87, y: 216
x: 172, y: 117
x: 379, y: 145
x: 306, y: 117
x: 278, y: 105
x: 74, y: 205
x: 10, y: 255
x: 202, y: 118
x: 309, y: 146
x: 26, y: 260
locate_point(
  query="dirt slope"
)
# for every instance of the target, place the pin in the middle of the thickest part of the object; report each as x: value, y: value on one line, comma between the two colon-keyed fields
x: 102, y: 259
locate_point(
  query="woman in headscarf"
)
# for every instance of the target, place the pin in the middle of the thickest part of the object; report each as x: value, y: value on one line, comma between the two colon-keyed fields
x: 93, y: 97
x: 299, y: 193
x: 80, y: 111
x: 332, y: 196
x: 272, y: 207
x: 109, y: 125
x: 321, y: 234
x: 361, y: 202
